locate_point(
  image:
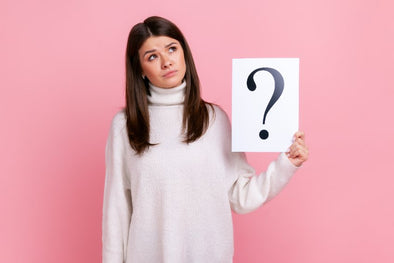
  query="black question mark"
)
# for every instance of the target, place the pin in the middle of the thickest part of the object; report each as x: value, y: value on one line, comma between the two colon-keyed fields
x: 279, y: 85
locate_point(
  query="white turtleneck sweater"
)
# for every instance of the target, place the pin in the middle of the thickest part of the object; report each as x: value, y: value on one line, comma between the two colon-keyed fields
x: 173, y: 204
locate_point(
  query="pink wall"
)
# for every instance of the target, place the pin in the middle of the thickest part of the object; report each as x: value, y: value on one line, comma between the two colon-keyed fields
x: 62, y: 80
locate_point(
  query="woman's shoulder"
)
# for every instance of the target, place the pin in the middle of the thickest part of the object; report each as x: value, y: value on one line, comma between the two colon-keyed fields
x: 119, y: 120
x: 218, y: 112
x: 218, y: 115
x: 219, y: 124
x: 120, y: 115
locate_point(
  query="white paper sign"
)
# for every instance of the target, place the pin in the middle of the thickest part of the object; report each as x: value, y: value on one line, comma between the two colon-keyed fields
x: 265, y: 104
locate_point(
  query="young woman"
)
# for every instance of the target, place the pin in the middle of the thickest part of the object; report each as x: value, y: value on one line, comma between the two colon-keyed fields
x: 171, y: 178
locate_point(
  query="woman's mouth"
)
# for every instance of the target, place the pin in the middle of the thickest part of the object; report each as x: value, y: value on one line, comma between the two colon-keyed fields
x: 170, y: 74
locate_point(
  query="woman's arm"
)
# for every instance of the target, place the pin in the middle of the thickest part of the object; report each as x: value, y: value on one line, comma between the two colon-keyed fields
x: 117, y: 206
x: 250, y: 191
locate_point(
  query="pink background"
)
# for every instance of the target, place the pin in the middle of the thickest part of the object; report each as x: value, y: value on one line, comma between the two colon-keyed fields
x: 62, y: 80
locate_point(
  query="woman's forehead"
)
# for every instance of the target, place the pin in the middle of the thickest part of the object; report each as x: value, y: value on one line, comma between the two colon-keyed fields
x: 158, y: 41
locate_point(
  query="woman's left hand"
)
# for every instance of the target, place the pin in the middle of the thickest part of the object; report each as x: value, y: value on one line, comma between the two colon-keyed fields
x: 298, y: 152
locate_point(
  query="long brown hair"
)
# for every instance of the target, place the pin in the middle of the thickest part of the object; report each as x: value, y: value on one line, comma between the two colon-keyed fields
x: 195, y: 112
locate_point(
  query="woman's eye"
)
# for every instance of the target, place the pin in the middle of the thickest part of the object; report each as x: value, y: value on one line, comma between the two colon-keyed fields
x: 172, y: 49
x: 151, y: 57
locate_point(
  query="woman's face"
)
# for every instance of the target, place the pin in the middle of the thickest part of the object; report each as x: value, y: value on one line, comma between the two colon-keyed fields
x: 162, y: 61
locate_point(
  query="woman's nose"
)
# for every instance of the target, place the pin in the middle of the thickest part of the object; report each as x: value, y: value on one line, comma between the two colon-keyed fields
x: 166, y: 62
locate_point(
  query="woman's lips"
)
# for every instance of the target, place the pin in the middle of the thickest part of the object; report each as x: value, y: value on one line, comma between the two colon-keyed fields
x: 170, y: 74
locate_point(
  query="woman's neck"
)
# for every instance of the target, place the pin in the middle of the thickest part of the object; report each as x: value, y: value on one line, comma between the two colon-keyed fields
x: 167, y: 96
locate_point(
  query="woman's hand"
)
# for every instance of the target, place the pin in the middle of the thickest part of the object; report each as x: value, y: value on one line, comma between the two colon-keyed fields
x: 298, y: 152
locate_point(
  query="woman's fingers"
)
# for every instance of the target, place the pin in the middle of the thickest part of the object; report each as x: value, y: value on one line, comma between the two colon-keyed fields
x: 299, y: 135
x: 298, y: 151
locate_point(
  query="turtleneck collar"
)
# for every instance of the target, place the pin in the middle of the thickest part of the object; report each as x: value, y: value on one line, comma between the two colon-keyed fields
x: 167, y: 97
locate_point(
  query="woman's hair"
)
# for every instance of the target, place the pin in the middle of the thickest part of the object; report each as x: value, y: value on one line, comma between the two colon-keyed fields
x: 195, y: 113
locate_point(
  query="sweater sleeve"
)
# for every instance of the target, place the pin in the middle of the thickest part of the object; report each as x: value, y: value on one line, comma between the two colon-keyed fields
x: 117, y: 206
x: 250, y: 191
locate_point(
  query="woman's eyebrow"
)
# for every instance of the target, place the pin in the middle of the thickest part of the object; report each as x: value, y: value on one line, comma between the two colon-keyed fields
x: 149, y: 51
x: 172, y: 43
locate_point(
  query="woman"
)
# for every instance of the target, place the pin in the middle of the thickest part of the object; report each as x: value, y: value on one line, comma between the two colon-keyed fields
x: 171, y: 178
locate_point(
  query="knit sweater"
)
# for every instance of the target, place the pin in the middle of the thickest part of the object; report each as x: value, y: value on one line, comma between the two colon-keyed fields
x: 173, y: 203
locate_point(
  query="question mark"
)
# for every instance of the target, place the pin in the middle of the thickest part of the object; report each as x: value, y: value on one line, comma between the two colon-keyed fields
x: 279, y: 85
